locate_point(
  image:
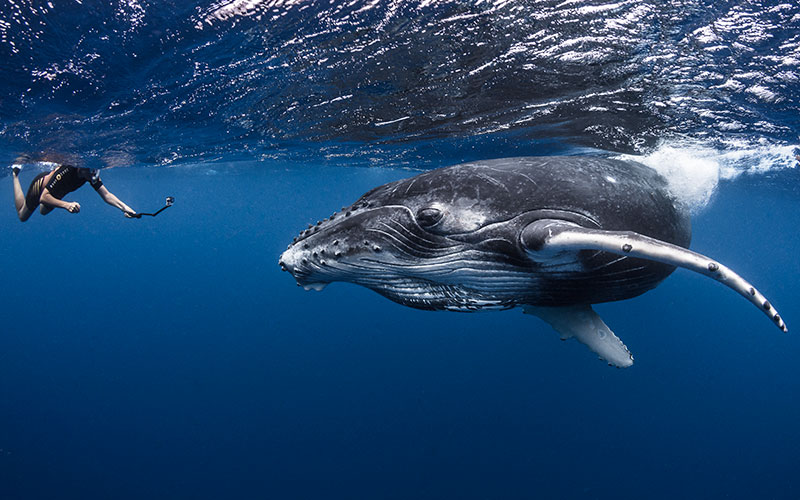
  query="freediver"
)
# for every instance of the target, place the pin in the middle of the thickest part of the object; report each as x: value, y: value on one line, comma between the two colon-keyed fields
x: 48, y: 189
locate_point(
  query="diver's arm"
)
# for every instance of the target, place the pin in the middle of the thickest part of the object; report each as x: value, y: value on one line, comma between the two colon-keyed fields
x: 112, y: 200
x: 50, y: 200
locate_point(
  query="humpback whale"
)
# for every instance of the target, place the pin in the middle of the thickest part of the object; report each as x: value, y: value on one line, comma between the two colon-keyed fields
x: 552, y: 235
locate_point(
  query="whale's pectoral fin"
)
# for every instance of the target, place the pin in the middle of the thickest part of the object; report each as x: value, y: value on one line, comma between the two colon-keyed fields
x: 547, y: 237
x: 585, y: 325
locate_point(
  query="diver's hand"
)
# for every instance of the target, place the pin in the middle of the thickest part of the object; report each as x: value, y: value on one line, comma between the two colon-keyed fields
x: 73, y: 207
x: 130, y: 214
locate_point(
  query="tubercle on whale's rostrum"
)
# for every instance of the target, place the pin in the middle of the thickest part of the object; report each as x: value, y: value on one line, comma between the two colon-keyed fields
x: 344, y: 212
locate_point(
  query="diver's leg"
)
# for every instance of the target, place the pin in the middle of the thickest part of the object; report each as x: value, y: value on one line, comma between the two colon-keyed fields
x: 19, y: 198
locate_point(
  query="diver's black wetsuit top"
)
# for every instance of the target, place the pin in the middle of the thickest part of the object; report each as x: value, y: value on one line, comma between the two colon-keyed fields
x: 67, y: 179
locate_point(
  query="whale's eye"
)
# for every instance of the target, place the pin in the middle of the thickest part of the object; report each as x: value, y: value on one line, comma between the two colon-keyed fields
x: 429, y: 216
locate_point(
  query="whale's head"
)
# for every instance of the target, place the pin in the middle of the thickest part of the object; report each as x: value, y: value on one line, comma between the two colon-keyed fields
x: 448, y: 239
x: 412, y: 246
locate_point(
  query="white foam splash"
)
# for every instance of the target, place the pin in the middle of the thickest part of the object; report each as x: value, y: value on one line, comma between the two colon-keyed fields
x: 694, y: 170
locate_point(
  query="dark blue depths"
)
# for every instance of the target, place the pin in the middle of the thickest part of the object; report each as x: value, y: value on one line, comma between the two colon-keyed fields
x: 171, y: 358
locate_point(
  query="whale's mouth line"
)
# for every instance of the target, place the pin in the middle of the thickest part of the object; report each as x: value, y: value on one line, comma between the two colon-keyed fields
x: 409, y: 252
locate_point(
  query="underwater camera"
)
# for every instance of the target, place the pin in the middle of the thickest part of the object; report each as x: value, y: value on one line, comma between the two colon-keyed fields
x: 168, y: 203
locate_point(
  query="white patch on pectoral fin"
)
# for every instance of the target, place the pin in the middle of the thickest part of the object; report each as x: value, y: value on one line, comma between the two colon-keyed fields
x: 585, y: 325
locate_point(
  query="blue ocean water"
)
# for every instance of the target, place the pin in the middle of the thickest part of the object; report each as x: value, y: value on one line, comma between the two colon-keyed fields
x: 171, y: 358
